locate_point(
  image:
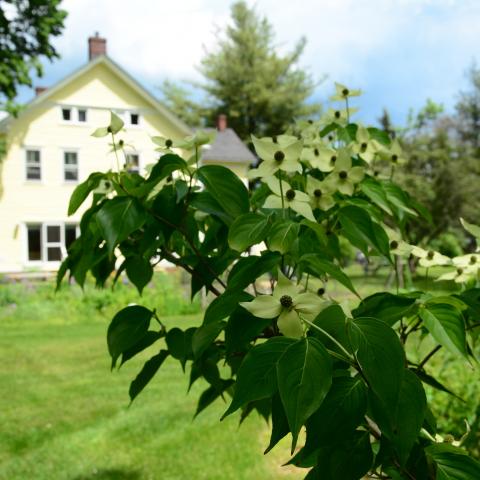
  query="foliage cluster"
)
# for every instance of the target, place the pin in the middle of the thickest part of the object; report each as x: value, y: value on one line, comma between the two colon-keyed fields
x: 293, y: 352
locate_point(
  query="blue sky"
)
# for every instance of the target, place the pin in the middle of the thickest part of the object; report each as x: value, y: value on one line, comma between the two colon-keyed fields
x: 399, y: 52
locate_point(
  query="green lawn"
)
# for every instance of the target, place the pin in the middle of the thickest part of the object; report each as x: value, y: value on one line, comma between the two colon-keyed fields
x: 65, y: 416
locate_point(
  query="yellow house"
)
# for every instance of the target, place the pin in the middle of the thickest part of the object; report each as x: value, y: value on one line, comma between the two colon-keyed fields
x: 50, y: 150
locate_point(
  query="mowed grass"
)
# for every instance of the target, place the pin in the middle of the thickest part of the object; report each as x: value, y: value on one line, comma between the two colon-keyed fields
x: 65, y: 416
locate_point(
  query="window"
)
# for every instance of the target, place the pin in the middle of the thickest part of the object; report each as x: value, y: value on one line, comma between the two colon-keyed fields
x: 49, y: 242
x: 70, y: 166
x: 66, y: 114
x: 33, y: 165
x: 82, y: 115
x: 34, y: 237
x: 134, y: 119
x: 132, y: 164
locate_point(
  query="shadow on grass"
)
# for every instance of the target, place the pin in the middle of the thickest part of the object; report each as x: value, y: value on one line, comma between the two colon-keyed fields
x: 110, y: 474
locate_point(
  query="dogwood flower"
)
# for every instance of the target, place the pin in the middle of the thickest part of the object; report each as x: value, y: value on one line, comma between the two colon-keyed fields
x: 320, y: 157
x: 470, y: 260
x: 164, y: 144
x: 460, y: 275
x: 393, y: 154
x: 279, y: 153
x: 397, y: 245
x: 289, y: 304
x: 430, y: 258
x: 342, y: 92
x: 320, y: 194
x: 294, y: 199
x: 365, y: 146
x: 344, y: 177
x: 339, y: 116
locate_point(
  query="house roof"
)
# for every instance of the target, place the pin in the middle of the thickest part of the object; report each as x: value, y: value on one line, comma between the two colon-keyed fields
x: 228, y: 148
x: 121, y: 73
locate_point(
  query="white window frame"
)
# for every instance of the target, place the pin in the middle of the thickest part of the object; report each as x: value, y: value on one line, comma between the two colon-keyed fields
x: 26, y: 150
x: 140, y: 164
x: 70, y: 150
x: 45, y: 244
x: 73, y: 115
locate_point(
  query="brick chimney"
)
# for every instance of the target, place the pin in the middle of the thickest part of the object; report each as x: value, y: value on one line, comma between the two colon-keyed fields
x: 222, y: 122
x: 96, y: 46
x: 40, y: 90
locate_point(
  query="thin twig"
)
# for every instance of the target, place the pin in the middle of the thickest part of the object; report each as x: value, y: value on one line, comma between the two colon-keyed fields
x: 429, y: 356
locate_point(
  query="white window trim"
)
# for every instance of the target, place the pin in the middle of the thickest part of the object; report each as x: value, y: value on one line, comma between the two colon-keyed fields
x: 44, y: 244
x: 64, y: 150
x: 74, y: 115
x: 140, y: 159
x: 34, y: 181
x: 124, y: 114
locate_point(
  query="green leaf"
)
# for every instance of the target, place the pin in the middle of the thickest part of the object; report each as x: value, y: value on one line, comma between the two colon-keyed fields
x: 209, y: 395
x: 166, y: 165
x: 374, y: 191
x: 139, y: 271
x: 282, y: 235
x: 118, y: 218
x: 401, y: 421
x: 280, y: 426
x: 453, y: 463
x: 205, y: 202
x: 447, y: 327
x: 205, y: 335
x: 226, y: 188
x: 386, y: 306
x: 146, y: 341
x: 222, y: 306
x: 304, y: 374
x: 116, y: 123
x: 247, y: 230
x: 318, y: 266
x: 398, y: 198
x: 256, y: 378
x: 127, y: 328
x: 380, y: 356
x: 146, y: 374
x: 362, y: 232
x: 82, y: 190
x: 332, y: 320
x: 433, y: 382
x: 179, y: 344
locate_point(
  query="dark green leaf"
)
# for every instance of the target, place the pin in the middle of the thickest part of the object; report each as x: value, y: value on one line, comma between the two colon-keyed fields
x: 118, y: 218
x: 373, y: 190
x: 209, y: 395
x: 146, y: 374
x: 205, y: 202
x: 146, y: 341
x: 248, y: 230
x: 282, y: 235
x: 257, y: 378
x: 139, y: 271
x: 318, y: 266
x: 446, y: 325
x: 205, y: 335
x: 179, y: 344
x: 222, y: 306
x: 82, y: 190
x: 380, y: 356
x: 226, y: 188
x: 433, y: 382
x: 304, y: 377
x: 386, y: 306
x: 453, y: 463
x: 166, y: 165
x: 280, y: 426
x: 127, y: 328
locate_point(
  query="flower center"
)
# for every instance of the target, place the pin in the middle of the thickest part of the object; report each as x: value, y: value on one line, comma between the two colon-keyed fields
x: 430, y: 254
x: 279, y: 156
x: 376, y: 173
x: 290, y: 194
x: 343, y: 174
x: 317, y: 193
x: 310, y: 122
x: 320, y: 291
x: 121, y: 143
x: 459, y: 271
x: 316, y: 152
x: 274, y: 139
x: 473, y: 259
x: 393, y: 244
x: 333, y: 159
x: 286, y: 301
x: 345, y: 92
x: 107, y: 184
x: 337, y: 114
x: 168, y: 143
x: 330, y: 138
x: 109, y: 129
x: 363, y: 146
x: 394, y: 158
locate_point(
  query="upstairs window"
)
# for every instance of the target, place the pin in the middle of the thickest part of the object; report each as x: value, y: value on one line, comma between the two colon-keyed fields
x: 82, y: 115
x: 33, y: 167
x: 67, y: 114
x: 70, y: 166
x: 134, y: 119
x: 132, y: 164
